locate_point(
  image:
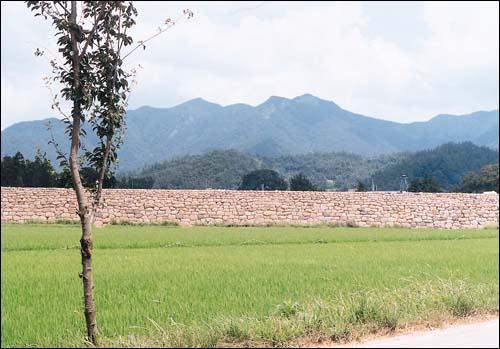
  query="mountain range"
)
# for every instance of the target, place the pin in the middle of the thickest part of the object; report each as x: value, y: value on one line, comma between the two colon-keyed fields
x: 277, y: 127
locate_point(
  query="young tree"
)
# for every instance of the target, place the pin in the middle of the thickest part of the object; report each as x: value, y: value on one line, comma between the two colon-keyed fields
x: 91, y: 36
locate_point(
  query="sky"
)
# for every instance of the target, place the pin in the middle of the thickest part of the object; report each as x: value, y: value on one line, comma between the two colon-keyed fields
x: 396, y: 61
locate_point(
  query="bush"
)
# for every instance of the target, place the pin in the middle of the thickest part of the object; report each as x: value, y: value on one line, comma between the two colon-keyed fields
x: 263, y: 179
x: 300, y: 182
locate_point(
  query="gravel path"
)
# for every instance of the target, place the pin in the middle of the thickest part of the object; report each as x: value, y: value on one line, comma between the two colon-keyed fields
x: 479, y: 335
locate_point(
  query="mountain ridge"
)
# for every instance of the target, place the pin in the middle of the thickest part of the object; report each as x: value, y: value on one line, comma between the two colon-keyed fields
x: 278, y: 126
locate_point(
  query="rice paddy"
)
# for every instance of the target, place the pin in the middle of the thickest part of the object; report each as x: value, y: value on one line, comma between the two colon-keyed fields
x: 226, y: 286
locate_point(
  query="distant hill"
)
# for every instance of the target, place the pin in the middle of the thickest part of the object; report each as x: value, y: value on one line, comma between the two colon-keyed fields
x: 277, y: 127
x: 224, y: 169
x: 448, y: 164
x: 219, y: 169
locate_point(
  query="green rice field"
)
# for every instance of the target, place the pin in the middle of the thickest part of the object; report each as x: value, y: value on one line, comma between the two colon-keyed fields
x: 229, y: 286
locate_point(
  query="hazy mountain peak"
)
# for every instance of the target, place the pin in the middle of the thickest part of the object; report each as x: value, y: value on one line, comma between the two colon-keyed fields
x: 275, y: 100
x: 236, y: 105
x: 271, y: 106
x: 198, y: 102
x: 280, y: 125
x: 307, y: 98
x: 492, y: 114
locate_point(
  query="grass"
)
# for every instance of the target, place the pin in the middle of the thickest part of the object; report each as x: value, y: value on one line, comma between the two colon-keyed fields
x: 283, y: 224
x: 490, y: 226
x: 217, y: 286
x: 140, y: 224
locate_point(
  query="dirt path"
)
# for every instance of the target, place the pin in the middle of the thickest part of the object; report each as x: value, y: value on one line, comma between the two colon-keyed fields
x: 477, y: 335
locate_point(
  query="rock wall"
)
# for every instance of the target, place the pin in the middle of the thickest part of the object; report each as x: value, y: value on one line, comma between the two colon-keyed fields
x: 189, y: 207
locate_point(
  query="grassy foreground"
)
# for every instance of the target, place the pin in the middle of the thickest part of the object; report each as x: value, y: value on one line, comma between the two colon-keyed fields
x: 214, y: 286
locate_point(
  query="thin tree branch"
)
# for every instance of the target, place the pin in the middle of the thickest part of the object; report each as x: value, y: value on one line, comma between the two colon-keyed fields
x: 55, y: 103
x: 109, y: 137
x: 142, y: 42
x: 56, y: 145
x: 55, y: 56
x: 100, y: 179
x: 63, y: 7
x: 94, y: 28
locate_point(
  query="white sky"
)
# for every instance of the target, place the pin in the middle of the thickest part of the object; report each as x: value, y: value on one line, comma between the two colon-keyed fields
x: 395, y: 61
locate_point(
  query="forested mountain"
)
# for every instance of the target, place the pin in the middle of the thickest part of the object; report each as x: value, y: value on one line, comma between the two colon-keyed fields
x: 448, y: 164
x: 224, y: 169
x: 277, y: 127
x: 221, y: 169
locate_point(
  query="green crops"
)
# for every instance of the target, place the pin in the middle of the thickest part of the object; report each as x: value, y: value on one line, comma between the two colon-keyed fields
x: 209, y: 286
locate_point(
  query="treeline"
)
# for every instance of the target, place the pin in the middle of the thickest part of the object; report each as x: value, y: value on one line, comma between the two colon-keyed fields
x: 447, y: 164
x: 16, y: 171
x: 439, y: 169
x: 271, y: 180
x: 19, y: 172
x: 486, y: 180
x: 461, y: 167
x: 224, y: 169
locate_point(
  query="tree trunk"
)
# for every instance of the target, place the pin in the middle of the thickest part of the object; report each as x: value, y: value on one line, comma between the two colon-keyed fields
x: 84, y: 211
x: 88, y: 284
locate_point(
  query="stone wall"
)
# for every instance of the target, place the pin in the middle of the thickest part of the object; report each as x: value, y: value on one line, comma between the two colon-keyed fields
x: 189, y: 207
